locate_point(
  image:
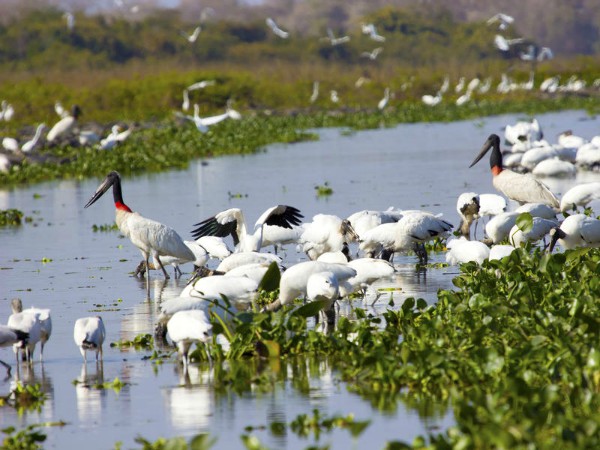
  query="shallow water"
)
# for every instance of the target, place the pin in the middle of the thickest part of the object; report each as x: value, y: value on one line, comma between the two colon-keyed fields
x: 57, y: 261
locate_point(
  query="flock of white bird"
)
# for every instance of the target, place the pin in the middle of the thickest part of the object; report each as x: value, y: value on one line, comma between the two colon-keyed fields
x: 330, y: 273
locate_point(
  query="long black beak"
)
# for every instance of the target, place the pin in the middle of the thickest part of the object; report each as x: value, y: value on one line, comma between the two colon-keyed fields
x: 488, y: 144
x: 555, y: 234
x: 105, y: 186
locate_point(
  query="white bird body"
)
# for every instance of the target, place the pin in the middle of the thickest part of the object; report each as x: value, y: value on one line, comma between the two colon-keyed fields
x: 384, y: 101
x: 294, y: 280
x: 6, y: 111
x: 491, y: 205
x: 200, y: 85
x: 580, y: 195
x: 150, y: 237
x: 512, y: 160
x: 200, y: 253
x: 64, y: 125
x: 373, y: 54
x: 577, y: 230
x: 254, y: 271
x: 238, y: 289
x: 193, y: 37
x: 365, y: 220
x: 538, y: 210
x: 588, y: 156
x: 431, y: 100
x: 503, y: 20
x: 463, y: 99
x: 554, y: 168
x: 522, y: 188
x: 231, y: 221
x: 10, y: 144
x: 336, y: 40
x: 279, y: 236
x: 315, y: 92
x: 323, y: 286
x: 500, y: 251
x: 333, y: 96
x: 185, y: 104
x: 187, y: 327
x: 541, y: 227
x: 215, y: 246
x: 550, y: 85
x: 370, y: 30
x: 10, y: 336
x: 368, y: 270
x: 567, y: 139
x: 463, y: 250
x: 240, y: 259
x: 27, y: 322
x: 326, y: 233
x: 275, y: 28
x: 534, y: 156
x: 88, y: 137
x: 44, y: 318
x: 504, y: 44
x: 499, y: 226
x: 529, y: 131
x: 89, y: 334
x: 460, y: 85
x: 60, y: 111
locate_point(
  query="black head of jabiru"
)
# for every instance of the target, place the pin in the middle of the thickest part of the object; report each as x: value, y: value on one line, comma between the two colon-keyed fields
x: 113, y: 179
x: 492, y: 142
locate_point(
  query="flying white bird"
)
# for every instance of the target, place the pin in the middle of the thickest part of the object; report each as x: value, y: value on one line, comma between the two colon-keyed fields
x: 369, y: 29
x: 89, y: 334
x: 201, y: 85
x: 150, y: 237
x: 191, y: 38
x: 522, y: 188
x: 504, y: 44
x: 232, y: 222
x: 503, y: 20
x: 373, y: 54
x: 336, y: 41
x: 70, y: 18
x: 275, y: 29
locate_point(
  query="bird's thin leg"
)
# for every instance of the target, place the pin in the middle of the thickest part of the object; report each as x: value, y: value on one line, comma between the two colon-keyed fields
x: 475, y: 230
x: 162, y: 267
x: 8, y: 368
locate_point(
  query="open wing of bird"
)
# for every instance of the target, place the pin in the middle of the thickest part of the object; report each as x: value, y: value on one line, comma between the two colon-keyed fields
x: 281, y: 215
x: 222, y: 224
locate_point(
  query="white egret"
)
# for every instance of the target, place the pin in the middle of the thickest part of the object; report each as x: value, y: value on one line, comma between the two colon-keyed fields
x: 150, y: 237
x: 371, y: 31
x: 373, y: 54
x: 89, y: 334
x: 12, y: 144
x: 65, y: 125
x: 193, y: 37
x: 384, y: 101
x: 185, y: 104
x: 503, y: 20
x: 519, y: 187
x: 315, y: 92
x: 6, y: 111
x: 231, y: 221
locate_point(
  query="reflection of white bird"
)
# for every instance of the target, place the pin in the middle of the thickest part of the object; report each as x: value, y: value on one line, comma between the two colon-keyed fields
x: 369, y: 28
x: 187, y: 327
x: 191, y: 38
x: 373, y: 54
x: 577, y: 230
x: 384, y: 101
x: 315, y: 92
x: 43, y: 316
x: 65, y: 125
x: 232, y: 222
x: 519, y: 187
x: 275, y: 29
x: 580, y: 195
x: 9, y: 336
x: 150, y: 237
x: 336, y: 41
x: 89, y: 334
x: 503, y: 20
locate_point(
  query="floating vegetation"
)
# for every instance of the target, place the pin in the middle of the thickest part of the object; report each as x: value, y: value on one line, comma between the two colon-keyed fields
x: 10, y: 217
x: 116, y: 384
x: 324, y: 190
x: 108, y: 227
x: 140, y: 342
x: 201, y: 441
x: 24, y: 397
x: 29, y: 438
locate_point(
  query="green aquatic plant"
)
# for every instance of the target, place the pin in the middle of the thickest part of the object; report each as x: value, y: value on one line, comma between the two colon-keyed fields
x: 201, y: 441
x: 144, y: 341
x: 25, y: 397
x: 304, y: 424
x: 324, y: 190
x: 29, y: 438
x: 105, y: 228
x: 10, y: 217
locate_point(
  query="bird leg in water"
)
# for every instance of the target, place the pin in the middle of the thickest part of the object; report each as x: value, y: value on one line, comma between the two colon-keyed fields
x: 8, y: 368
x: 387, y: 255
x: 162, y: 267
x: 421, y: 252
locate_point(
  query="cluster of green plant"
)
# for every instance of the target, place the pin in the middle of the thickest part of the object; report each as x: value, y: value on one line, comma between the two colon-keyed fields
x: 324, y: 190
x: 10, y: 217
x: 29, y: 438
x: 201, y: 441
x: 140, y: 342
x: 24, y: 397
x: 105, y: 228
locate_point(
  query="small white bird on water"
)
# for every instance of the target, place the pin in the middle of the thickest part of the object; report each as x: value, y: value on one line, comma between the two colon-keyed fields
x: 89, y: 334
x: 150, y: 237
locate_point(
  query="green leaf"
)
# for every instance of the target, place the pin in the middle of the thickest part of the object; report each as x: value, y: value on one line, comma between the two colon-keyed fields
x: 524, y: 222
x: 311, y: 308
x: 270, y: 281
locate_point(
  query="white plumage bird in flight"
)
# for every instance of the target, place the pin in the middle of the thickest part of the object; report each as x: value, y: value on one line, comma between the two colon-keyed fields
x: 275, y: 28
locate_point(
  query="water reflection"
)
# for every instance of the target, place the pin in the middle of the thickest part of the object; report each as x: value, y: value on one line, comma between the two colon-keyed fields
x: 91, y: 397
x: 32, y: 374
x: 191, y: 404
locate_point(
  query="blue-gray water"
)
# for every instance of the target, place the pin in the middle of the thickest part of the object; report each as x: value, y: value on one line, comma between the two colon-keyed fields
x: 420, y: 166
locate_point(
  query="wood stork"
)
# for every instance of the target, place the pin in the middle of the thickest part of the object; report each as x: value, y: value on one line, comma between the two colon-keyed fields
x: 240, y: 259
x: 580, y: 195
x: 294, y: 280
x: 500, y: 251
x: 588, y: 156
x: 324, y: 286
x: 231, y: 221
x: 554, y: 168
x: 30, y: 323
x: 467, y: 207
x: 363, y: 221
x: 278, y: 236
x: 6, y: 111
x: 199, y: 252
x: 529, y: 131
x: 64, y: 125
x: 150, y: 237
x: 215, y: 246
x: 409, y: 233
x: 89, y: 334
x: 275, y: 28
x: 498, y: 228
x: 44, y: 318
x: 431, y: 100
x: 537, y: 210
x: 522, y: 188
x: 10, y: 336
x: 186, y: 328
x: 253, y: 271
x: 326, y: 233
x: 462, y: 251
x: 577, y: 230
